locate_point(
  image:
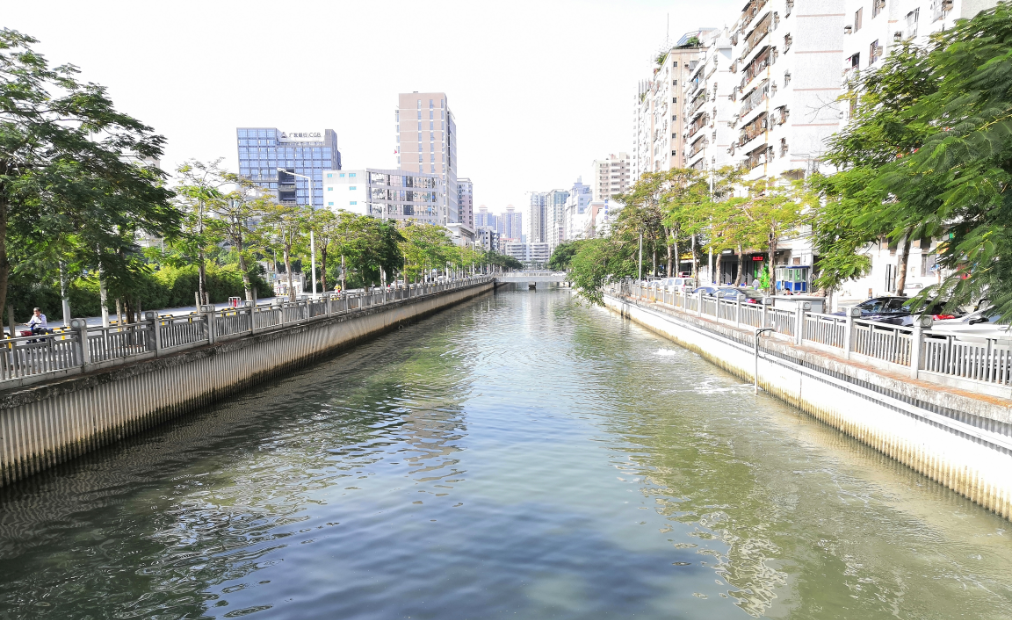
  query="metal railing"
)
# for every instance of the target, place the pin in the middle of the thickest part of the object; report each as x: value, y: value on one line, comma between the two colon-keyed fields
x: 34, y: 358
x: 933, y: 356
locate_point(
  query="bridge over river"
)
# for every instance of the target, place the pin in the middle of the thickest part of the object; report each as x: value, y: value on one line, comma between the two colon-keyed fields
x: 532, y: 277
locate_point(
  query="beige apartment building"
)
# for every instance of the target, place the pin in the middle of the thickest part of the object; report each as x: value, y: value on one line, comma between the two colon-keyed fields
x: 612, y: 176
x: 658, y: 118
x: 427, y: 143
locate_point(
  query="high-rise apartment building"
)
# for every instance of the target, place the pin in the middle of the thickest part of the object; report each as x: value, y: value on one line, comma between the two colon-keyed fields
x: 577, y: 218
x: 787, y: 57
x: 484, y: 219
x: 710, y: 110
x: 658, y: 121
x: 427, y: 143
x: 536, y: 222
x: 555, y: 218
x: 262, y: 150
x: 612, y: 176
x: 873, y: 28
x: 465, y: 201
x: 513, y: 224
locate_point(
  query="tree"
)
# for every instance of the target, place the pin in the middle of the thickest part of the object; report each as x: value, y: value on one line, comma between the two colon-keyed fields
x: 235, y: 214
x: 772, y: 209
x: 283, y: 227
x: 69, y: 171
x: 327, y: 227
x: 199, y: 194
x: 563, y: 255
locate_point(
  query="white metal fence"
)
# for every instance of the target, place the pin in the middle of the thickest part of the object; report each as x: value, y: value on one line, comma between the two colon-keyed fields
x: 937, y: 357
x: 30, y: 358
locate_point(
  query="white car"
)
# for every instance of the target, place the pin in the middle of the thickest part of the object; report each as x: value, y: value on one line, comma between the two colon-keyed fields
x: 975, y: 327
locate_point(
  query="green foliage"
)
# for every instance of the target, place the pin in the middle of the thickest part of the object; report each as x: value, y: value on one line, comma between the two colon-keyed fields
x: 70, y: 190
x: 929, y: 154
x: 563, y: 255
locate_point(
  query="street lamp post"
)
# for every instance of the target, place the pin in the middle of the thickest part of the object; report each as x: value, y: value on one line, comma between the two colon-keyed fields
x: 312, y: 239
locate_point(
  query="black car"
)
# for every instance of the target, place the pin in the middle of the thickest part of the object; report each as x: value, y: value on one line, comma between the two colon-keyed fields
x: 897, y: 310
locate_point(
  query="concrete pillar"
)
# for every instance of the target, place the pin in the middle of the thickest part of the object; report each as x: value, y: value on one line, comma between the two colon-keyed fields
x: 799, y: 315
x: 80, y: 329
x: 917, y: 344
x: 737, y: 310
x: 848, y: 331
x: 208, y: 312
x: 699, y: 303
x: 156, y: 330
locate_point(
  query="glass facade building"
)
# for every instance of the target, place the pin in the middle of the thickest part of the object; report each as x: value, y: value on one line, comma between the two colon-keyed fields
x: 262, y: 150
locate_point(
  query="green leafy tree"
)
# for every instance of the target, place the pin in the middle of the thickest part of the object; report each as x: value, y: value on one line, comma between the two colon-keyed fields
x: 235, y: 215
x: 200, y: 193
x: 283, y: 228
x: 70, y: 182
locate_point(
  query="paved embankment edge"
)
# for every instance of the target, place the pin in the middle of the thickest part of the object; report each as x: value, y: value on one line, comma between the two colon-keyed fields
x: 961, y: 442
x: 44, y: 425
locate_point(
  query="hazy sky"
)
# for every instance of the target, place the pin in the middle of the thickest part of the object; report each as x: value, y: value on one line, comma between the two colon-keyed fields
x: 539, y: 89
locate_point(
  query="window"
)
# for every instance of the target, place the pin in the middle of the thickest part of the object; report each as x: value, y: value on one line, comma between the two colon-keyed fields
x: 351, y: 174
x: 674, y: 100
x: 330, y: 175
x: 342, y: 174
x: 876, y: 7
x: 330, y: 189
x: 874, y: 52
x: 430, y: 104
x: 858, y: 18
x: 353, y: 202
x: 351, y: 188
x: 419, y: 104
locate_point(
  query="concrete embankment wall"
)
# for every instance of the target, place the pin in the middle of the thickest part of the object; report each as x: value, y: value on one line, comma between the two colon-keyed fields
x: 963, y: 443
x: 43, y: 425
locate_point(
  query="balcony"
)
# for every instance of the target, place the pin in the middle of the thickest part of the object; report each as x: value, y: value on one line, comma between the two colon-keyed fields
x: 756, y: 157
x: 698, y: 102
x: 754, y: 98
x: 751, y: 10
x: 757, y: 35
x: 753, y: 130
x: 698, y: 124
x: 758, y: 65
x: 698, y: 146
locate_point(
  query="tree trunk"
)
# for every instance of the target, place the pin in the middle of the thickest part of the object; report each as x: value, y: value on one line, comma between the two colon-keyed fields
x: 716, y: 276
x: 695, y: 259
x: 288, y: 270
x: 673, y: 248
x: 201, y: 278
x: 103, y: 291
x: 769, y: 265
x: 741, y: 266
x: 119, y: 311
x: 902, y: 258
x: 5, y: 265
x: 654, y: 256
x: 672, y: 253
x: 247, y: 287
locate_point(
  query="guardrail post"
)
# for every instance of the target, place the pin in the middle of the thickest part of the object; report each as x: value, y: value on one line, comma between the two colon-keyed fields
x: 917, y: 344
x: 737, y: 310
x: 849, y: 332
x: 156, y: 330
x: 699, y: 303
x: 208, y: 312
x: 80, y: 328
x: 799, y: 315
x: 766, y: 313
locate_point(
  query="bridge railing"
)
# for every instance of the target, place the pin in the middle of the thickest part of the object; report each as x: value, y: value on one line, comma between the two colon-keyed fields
x: 983, y: 365
x: 29, y: 359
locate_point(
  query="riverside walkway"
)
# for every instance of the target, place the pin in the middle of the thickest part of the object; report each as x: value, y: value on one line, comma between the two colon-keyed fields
x: 936, y: 404
x: 65, y: 394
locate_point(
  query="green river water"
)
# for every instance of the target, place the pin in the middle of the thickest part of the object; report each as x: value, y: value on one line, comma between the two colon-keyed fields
x: 517, y: 456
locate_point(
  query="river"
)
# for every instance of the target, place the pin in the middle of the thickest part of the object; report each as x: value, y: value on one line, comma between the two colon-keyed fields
x: 520, y: 455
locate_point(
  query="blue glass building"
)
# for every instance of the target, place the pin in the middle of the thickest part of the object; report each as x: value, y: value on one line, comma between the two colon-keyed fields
x: 263, y: 150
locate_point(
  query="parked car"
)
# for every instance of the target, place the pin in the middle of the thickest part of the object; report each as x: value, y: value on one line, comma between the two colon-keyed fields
x: 752, y: 296
x: 708, y: 291
x: 899, y: 310
x: 679, y: 284
x: 976, y: 327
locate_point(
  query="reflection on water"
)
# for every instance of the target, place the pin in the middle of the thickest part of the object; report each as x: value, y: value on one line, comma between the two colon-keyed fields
x: 521, y: 456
